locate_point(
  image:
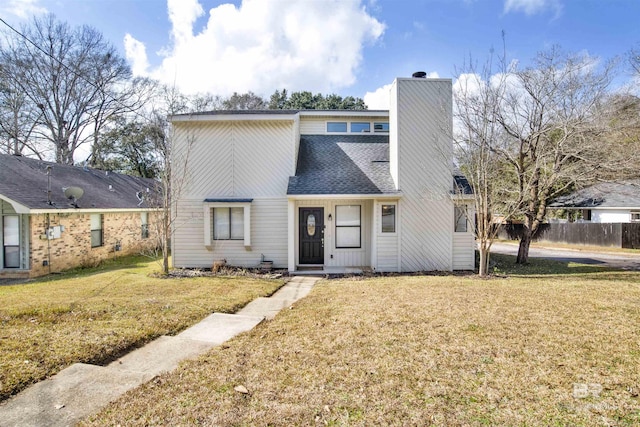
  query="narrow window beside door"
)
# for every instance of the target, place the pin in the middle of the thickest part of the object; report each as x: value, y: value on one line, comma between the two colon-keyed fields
x: 388, y: 218
x: 348, y: 227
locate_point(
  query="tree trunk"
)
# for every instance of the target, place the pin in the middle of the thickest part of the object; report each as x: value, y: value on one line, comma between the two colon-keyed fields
x: 483, y: 268
x: 523, y: 248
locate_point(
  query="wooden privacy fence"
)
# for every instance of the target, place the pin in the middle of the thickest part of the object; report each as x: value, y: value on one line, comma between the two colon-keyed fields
x: 618, y: 235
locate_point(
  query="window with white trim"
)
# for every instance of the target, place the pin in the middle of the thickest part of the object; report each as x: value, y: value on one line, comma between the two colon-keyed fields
x: 381, y: 126
x: 356, y: 126
x: 348, y: 227
x: 460, y: 215
x: 11, y: 241
x: 224, y: 220
x: 635, y: 216
x: 228, y: 223
x: 96, y: 230
x: 336, y: 126
x: 359, y: 127
x: 144, y: 221
x: 388, y: 218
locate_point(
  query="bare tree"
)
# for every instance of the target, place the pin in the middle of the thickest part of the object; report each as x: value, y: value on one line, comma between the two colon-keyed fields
x: 549, y: 114
x: 477, y: 94
x: 528, y: 135
x: 73, y: 75
x: 113, y: 103
x: 173, y: 171
x: 18, y: 116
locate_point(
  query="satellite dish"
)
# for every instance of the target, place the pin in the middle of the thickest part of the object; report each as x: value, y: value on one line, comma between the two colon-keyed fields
x: 73, y: 193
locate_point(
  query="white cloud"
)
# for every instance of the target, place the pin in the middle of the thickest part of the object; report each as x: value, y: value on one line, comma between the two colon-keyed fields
x: 262, y: 46
x: 22, y: 9
x: 182, y: 14
x: 532, y: 7
x: 136, y: 53
x: 379, y: 98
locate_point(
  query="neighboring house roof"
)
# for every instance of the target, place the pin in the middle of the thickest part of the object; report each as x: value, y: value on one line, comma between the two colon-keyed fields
x: 24, y: 180
x: 342, y: 164
x: 624, y: 194
x: 461, y: 184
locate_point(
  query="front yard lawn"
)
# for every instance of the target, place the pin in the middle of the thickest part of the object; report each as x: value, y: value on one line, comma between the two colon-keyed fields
x: 536, y: 348
x: 95, y: 315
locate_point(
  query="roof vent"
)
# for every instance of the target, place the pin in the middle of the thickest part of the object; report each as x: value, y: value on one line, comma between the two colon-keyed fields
x: 419, y: 75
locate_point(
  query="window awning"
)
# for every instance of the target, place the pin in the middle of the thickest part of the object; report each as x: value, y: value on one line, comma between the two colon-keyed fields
x: 228, y: 200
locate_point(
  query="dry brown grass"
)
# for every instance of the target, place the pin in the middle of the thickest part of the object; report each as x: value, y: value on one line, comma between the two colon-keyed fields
x: 438, y: 350
x: 95, y: 315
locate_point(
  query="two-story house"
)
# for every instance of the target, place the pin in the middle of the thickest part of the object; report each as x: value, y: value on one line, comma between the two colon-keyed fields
x: 331, y: 190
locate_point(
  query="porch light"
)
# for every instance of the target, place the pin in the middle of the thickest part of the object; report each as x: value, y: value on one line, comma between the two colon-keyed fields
x: 330, y: 218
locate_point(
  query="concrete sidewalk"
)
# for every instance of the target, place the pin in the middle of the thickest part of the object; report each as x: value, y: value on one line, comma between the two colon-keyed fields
x: 81, y: 389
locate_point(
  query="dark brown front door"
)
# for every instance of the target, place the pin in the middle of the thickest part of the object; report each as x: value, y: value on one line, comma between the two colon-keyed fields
x: 311, y: 236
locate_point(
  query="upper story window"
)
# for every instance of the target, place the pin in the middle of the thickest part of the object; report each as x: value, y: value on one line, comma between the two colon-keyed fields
x: 381, y: 126
x: 357, y: 127
x: 336, y: 126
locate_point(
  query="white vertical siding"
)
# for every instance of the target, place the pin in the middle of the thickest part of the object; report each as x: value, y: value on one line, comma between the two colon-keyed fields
x: 386, y: 244
x: 296, y: 144
x: 245, y: 159
x: 263, y: 158
x: 423, y: 120
x: 313, y: 125
x: 268, y: 236
x: 234, y: 159
x: 463, y: 253
x: 203, y: 159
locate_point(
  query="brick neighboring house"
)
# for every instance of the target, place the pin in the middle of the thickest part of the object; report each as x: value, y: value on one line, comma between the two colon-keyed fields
x: 43, y: 231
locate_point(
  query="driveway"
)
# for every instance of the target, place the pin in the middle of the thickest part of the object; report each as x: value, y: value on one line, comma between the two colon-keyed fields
x: 623, y: 261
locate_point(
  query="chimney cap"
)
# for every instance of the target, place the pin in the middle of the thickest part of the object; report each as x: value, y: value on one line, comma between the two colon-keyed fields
x: 419, y: 75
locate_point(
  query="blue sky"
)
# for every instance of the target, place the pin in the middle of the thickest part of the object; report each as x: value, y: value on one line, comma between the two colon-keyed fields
x: 350, y: 47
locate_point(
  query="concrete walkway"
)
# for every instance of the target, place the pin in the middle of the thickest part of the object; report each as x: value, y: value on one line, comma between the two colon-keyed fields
x: 81, y: 390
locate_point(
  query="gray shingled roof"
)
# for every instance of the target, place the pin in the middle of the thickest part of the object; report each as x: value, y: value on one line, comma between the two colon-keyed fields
x: 603, y: 195
x: 24, y: 180
x: 342, y: 164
